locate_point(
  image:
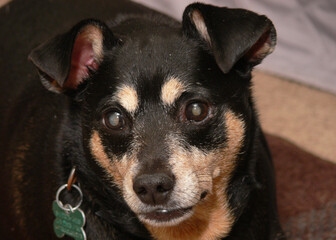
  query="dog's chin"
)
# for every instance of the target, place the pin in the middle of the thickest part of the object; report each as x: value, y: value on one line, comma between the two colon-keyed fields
x: 166, y: 217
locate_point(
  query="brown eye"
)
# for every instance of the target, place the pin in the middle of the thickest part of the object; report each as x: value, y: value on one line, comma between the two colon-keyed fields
x: 114, y: 120
x: 196, y: 111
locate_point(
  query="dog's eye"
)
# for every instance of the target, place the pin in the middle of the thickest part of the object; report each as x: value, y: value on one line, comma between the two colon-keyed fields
x: 196, y: 111
x: 114, y: 120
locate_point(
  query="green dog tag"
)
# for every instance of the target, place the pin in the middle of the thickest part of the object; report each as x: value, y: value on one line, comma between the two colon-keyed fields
x: 69, y: 223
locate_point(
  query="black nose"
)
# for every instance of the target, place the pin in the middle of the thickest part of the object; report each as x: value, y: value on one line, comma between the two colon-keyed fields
x: 153, y: 189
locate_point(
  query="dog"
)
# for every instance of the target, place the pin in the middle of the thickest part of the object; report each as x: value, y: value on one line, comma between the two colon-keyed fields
x: 156, y: 119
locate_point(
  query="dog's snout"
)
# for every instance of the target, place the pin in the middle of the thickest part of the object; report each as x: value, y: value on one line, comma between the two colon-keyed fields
x: 154, y: 188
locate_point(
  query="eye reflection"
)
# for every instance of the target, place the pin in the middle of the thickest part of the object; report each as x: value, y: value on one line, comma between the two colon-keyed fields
x: 114, y: 120
x: 196, y: 111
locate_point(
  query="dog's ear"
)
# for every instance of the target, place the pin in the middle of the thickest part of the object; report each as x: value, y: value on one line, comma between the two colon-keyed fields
x: 232, y: 35
x: 65, y: 61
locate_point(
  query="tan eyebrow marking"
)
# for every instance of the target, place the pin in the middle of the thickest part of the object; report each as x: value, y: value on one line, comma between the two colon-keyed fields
x: 172, y: 90
x: 127, y: 97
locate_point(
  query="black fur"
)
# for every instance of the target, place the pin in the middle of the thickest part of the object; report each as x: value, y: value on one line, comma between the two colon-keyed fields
x: 52, y: 134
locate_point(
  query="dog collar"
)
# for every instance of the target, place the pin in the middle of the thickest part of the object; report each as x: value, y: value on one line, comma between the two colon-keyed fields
x: 72, y: 178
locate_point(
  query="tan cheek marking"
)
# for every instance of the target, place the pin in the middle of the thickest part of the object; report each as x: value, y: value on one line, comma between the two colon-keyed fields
x: 200, y: 25
x: 192, y: 166
x: 116, y: 169
x: 128, y: 193
x: 120, y: 171
x: 127, y: 97
x: 216, y: 172
x: 235, y: 129
x: 171, y: 90
x: 212, y: 218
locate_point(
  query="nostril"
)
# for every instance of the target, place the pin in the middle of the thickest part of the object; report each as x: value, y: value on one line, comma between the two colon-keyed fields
x: 160, y: 189
x: 141, y: 191
x: 165, y: 185
x: 163, y: 189
x: 204, y: 194
x: 139, y: 187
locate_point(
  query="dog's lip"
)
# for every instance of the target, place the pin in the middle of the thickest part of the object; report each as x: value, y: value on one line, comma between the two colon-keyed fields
x: 166, y: 215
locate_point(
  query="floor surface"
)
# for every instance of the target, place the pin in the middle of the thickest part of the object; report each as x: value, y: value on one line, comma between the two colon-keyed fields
x: 300, y: 114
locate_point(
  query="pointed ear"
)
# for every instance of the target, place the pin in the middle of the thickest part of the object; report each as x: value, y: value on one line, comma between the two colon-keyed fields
x: 65, y: 61
x: 232, y: 35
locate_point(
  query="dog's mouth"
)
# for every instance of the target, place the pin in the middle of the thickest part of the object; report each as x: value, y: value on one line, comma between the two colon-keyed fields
x: 166, y: 216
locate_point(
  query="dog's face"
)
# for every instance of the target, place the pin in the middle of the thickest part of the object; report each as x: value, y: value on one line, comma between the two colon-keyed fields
x: 163, y: 132
x: 163, y: 110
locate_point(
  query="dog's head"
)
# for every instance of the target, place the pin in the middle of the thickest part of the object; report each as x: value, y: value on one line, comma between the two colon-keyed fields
x: 163, y: 109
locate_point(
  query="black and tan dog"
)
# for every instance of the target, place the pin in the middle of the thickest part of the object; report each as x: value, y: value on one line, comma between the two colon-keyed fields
x: 159, y: 122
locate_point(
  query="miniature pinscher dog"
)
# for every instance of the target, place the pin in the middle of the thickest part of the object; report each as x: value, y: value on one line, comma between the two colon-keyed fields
x: 157, y: 120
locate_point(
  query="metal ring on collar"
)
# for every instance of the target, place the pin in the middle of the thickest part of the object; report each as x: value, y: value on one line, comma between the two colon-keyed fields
x: 68, y: 207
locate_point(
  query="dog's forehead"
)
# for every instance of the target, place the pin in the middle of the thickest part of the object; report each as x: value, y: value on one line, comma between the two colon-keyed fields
x: 157, y: 65
x: 154, y: 67
x: 146, y: 57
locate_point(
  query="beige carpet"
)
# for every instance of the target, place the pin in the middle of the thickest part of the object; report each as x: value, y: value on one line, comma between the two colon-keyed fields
x: 302, y: 115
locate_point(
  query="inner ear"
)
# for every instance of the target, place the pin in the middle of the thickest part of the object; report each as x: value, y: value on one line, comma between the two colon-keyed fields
x: 86, y: 55
x: 199, y: 23
x: 67, y: 60
x: 264, y: 45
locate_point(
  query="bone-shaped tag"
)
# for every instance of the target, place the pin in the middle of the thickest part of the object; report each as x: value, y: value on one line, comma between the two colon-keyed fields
x: 69, y: 223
